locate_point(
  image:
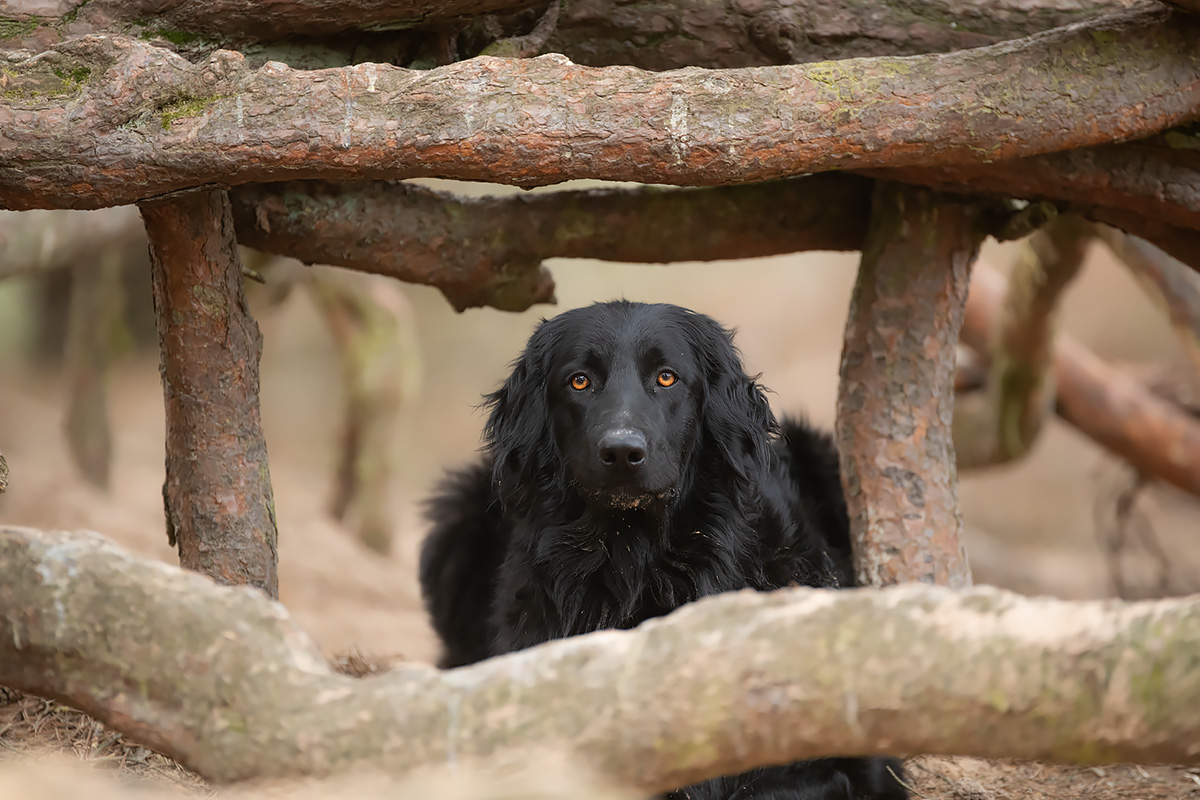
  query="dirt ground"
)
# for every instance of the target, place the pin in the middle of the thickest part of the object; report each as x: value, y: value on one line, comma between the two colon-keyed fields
x: 1031, y: 526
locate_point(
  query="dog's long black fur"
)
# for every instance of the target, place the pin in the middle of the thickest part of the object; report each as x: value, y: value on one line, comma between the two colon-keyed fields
x: 632, y: 466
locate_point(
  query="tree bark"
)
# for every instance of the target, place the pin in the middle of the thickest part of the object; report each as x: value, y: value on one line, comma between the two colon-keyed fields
x: 644, y: 34
x: 718, y: 686
x: 217, y: 494
x: 1001, y: 423
x: 896, y: 397
x: 451, y: 242
x: 596, y: 32
x: 1118, y: 412
x: 161, y: 124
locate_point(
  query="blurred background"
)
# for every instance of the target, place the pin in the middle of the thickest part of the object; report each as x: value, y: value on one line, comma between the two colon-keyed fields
x: 1037, y: 526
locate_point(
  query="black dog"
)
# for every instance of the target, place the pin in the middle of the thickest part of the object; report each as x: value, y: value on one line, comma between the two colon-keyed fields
x: 632, y: 466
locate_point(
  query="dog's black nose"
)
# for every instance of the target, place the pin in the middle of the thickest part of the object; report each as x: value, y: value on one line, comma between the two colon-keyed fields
x: 622, y: 447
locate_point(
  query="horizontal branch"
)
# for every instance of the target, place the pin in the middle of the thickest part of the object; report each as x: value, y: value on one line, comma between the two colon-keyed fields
x: 1151, y: 180
x: 488, y: 251
x: 222, y: 680
x: 245, y: 19
x: 158, y: 123
x: 724, y: 35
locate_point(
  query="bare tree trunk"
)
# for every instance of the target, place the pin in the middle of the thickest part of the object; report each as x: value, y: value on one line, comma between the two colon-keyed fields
x: 217, y: 494
x: 896, y: 400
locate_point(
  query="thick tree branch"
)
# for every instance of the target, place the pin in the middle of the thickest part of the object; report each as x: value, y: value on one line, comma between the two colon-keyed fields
x: 240, y: 19
x: 716, y: 687
x: 725, y: 35
x: 896, y: 394
x: 1143, y: 179
x: 1001, y: 423
x: 488, y: 251
x: 217, y: 493
x: 1157, y: 437
x: 160, y: 124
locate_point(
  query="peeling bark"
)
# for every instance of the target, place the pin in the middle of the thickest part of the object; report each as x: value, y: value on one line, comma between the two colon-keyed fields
x: 1155, y: 436
x: 161, y: 124
x: 489, y: 251
x: 716, y: 687
x: 896, y: 397
x: 217, y: 493
x: 1002, y: 423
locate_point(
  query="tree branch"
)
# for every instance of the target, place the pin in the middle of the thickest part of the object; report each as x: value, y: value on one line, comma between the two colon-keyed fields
x: 217, y: 494
x: 159, y: 123
x: 995, y: 675
x: 727, y: 35
x: 451, y: 242
x: 896, y: 393
x: 1157, y: 437
x: 247, y: 19
x: 1001, y: 423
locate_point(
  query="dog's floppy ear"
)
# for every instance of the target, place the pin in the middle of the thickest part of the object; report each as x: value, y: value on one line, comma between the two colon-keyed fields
x: 737, y: 419
x: 517, y: 432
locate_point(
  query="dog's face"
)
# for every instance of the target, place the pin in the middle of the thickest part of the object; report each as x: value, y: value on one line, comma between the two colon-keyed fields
x: 617, y: 398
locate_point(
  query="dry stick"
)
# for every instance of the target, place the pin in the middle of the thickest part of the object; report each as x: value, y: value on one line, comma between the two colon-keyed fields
x: 217, y: 494
x: 1121, y: 414
x: 725, y: 684
x: 1001, y: 423
x: 896, y: 396
x: 1171, y: 285
x: 160, y: 123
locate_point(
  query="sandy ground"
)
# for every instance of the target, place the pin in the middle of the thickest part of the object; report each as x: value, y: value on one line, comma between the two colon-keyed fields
x: 1030, y: 526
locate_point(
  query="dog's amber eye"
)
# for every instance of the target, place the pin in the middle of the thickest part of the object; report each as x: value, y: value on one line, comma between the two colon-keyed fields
x: 666, y: 378
x: 579, y: 382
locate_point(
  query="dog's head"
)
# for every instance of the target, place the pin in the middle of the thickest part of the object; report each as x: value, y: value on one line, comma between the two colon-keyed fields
x: 624, y: 402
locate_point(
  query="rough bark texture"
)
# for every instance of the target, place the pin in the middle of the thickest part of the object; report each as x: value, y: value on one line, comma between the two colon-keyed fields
x: 641, y: 33
x: 1157, y: 437
x: 1002, y: 423
x: 647, y: 34
x: 1171, y: 285
x: 489, y: 251
x: 1146, y: 179
x: 896, y: 398
x: 160, y: 123
x: 217, y: 494
x: 241, y: 19
x: 716, y: 687
x: 3, y: 474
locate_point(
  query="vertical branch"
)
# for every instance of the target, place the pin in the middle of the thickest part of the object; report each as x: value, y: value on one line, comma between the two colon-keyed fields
x: 372, y: 327
x: 1001, y: 423
x: 95, y: 313
x: 896, y: 398
x: 217, y: 493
